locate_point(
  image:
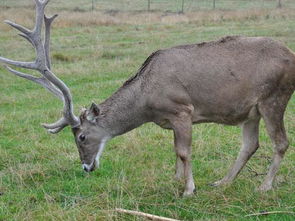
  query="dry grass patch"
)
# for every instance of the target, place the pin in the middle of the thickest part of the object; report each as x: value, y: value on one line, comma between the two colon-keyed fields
x: 74, y: 18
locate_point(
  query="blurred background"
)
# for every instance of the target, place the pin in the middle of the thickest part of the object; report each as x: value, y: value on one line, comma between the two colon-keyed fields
x: 157, y: 5
x: 105, y: 12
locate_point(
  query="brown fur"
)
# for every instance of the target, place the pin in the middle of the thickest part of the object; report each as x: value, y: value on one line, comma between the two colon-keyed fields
x: 235, y: 80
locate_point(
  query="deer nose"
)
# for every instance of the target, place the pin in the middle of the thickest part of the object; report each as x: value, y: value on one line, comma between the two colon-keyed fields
x: 86, y: 167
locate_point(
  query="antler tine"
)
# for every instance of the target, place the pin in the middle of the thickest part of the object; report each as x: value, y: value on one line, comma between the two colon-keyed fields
x: 56, y: 130
x: 68, y: 105
x: 57, y: 126
x: 48, y: 21
x: 19, y: 27
x: 40, y: 6
x: 42, y: 2
x: 41, y: 80
x: 28, y: 65
x: 27, y: 38
x: 58, y: 123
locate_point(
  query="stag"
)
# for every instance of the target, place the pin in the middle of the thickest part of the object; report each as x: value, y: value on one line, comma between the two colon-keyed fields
x: 233, y: 81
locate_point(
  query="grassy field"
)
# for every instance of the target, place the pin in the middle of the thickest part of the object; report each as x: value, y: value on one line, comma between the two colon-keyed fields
x: 94, y: 53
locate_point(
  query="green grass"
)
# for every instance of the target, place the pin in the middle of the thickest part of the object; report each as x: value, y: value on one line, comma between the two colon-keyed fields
x: 41, y: 176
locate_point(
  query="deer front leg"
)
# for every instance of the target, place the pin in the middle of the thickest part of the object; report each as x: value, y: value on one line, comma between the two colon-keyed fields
x: 182, y: 127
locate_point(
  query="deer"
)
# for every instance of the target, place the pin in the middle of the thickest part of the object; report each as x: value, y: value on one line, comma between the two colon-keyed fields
x: 235, y: 80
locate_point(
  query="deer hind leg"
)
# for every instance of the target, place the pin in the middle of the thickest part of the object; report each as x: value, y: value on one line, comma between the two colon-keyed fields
x: 182, y: 128
x: 272, y: 112
x: 179, y: 168
x: 250, y: 131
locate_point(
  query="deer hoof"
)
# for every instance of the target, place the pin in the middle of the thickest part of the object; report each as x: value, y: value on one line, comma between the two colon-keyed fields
x: 217, y: 183
x: 264, y: 188
x: 221, y: 182
x: 188, y: 193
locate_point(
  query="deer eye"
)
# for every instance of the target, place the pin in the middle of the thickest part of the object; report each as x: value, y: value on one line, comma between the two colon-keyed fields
x: 82, y: 137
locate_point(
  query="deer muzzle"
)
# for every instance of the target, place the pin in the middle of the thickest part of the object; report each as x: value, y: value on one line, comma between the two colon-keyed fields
x: 89, y: 167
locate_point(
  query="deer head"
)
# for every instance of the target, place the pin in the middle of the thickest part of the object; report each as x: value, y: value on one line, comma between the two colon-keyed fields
x: 90, y: 138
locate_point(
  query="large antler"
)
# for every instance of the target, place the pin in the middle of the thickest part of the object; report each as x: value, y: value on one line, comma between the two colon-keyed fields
x: 43, y: 65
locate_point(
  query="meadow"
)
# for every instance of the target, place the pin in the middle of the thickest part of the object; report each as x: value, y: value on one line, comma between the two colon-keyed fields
x: 94, y: 53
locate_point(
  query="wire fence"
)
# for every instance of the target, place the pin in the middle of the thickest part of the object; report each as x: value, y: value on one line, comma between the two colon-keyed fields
x: 190, y: 5
x: 155, y: 5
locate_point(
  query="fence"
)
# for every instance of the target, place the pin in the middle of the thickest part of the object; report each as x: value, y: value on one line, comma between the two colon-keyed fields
x: 195, y: 5
x: 188, y: 5
x: 156, y: 5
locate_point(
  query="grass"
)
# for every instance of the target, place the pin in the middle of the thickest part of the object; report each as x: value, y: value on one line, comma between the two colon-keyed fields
x: 40, y: 174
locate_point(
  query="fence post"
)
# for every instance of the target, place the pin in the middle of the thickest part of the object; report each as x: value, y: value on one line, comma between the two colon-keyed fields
x: 214, y: 4
x: 149, y: 5
x: 182, y: 7
x: 279, y: 4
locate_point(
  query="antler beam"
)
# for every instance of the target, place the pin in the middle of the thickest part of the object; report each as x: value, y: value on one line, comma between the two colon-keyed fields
x: 43, y: 65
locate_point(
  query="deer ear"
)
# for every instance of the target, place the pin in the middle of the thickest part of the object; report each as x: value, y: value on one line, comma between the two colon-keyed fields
x: 93, y: 112
x: 94, y: 109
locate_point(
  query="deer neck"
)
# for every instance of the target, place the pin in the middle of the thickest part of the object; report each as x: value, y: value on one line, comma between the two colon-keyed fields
x: 124, y: 110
